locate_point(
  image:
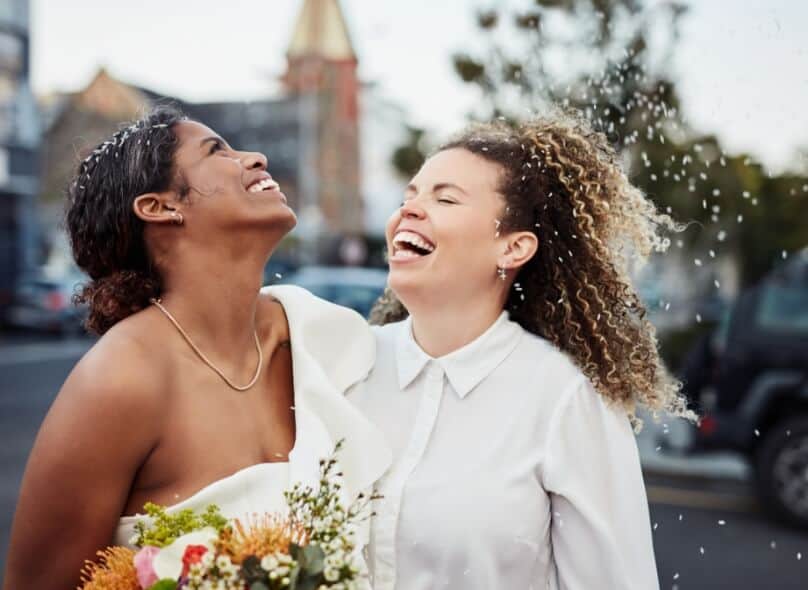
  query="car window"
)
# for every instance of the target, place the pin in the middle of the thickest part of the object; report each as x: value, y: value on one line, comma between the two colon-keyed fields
x: 784, y: 308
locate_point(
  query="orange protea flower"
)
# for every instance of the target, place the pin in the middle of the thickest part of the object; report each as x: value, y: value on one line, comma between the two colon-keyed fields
x: 259, y: 536
x: 115, y: 571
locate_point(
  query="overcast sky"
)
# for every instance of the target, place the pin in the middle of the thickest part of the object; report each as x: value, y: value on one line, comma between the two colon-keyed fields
x: 742, y: 67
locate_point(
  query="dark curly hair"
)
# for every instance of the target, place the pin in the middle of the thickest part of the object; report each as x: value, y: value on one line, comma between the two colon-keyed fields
x: 106, y: 236
x: 562, y: 181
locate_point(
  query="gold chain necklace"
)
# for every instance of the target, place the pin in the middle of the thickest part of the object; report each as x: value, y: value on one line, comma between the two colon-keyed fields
x: 159, y: 305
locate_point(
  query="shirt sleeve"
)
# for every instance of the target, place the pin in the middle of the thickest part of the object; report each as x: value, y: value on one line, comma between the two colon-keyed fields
x: 601, y: 534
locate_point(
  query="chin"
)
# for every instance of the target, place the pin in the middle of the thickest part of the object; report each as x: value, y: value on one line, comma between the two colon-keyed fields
x: 407, y: 286
x: 282, y: 219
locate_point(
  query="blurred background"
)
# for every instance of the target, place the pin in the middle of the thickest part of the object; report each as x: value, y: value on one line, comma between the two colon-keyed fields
x: 704, y: 99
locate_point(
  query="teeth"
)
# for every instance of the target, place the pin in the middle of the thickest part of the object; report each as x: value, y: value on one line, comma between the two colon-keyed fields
x: 414, y: 239
x: 403, y: 254
x: 263, y: 185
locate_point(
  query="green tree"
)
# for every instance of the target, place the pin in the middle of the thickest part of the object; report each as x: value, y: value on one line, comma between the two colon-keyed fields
x: 610, y: 59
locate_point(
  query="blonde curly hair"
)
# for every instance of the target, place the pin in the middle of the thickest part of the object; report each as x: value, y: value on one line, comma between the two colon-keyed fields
x: 563, y: 181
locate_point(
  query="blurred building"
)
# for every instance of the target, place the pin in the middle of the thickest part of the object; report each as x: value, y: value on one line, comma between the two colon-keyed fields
x: 312, y: 134
x: 19, y: 139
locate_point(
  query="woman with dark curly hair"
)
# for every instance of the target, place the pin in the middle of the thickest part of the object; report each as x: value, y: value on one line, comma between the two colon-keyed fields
x: 204, y: 388
x: 508, y: 394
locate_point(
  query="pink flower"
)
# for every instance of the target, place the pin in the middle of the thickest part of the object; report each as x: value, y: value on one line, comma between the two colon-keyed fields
x: 146, y: 576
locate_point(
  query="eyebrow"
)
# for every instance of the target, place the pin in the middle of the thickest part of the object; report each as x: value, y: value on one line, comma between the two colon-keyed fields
x: 213, y: 138
x: 437, y: 187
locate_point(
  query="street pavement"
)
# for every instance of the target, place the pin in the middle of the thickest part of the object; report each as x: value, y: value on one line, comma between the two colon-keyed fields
x: 709, y: 532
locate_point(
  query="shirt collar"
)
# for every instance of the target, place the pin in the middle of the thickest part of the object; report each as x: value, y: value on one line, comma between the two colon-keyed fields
x: 466, y: 367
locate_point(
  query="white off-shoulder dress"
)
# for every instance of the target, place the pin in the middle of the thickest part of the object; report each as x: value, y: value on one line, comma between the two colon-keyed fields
x: 332, y: 349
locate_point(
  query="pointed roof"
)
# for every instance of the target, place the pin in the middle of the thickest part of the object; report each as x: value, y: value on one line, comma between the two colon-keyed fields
x: 112, y: 98
x: 321, y: 31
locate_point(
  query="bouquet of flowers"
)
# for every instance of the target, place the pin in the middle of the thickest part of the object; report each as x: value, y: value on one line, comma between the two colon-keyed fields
x: 311, y: 548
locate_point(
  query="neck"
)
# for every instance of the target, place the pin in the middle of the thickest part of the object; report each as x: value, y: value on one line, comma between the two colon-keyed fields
x: 442, y: 329
x: 215, y: 300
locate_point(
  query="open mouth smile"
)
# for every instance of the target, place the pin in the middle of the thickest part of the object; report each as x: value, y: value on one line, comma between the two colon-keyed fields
x: 408, y: 245
x: 264, y: 184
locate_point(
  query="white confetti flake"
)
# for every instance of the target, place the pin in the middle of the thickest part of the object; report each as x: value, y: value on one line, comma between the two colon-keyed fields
x: 701, y: 550
x: 773, y: 544
x: 722, y: 522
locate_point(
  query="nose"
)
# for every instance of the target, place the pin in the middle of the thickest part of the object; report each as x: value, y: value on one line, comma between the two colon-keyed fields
x: 253, y: 160
x: 411, y: 210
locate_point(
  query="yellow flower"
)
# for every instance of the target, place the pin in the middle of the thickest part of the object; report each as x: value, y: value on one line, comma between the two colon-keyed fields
x: 115, y: 571
x: 260, y: 536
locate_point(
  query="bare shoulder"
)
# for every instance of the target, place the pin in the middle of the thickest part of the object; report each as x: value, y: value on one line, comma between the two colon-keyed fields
x: 125, y: 373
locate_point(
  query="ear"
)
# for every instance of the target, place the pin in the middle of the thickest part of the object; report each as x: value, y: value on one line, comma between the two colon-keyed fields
x: 520, y: 247
x: 156, y: 208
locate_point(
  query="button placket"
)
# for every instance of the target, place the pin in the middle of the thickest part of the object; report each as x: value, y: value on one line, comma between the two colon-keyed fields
x: 426, y: 417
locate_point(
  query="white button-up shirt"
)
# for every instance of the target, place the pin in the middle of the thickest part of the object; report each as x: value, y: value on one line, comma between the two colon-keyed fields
x: 510, y: 470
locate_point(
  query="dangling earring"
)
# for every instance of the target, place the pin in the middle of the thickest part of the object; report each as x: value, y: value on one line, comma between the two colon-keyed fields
x: 502, y: 273
x: 177, y: 218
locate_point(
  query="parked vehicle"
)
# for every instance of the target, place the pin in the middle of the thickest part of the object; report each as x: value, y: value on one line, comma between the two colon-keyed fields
x: 354, y: 287
x: 45, y: 304
x: 751, y: 375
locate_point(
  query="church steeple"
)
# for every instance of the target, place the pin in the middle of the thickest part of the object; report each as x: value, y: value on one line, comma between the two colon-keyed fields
x: 321, y: 32
x: 322, y: 73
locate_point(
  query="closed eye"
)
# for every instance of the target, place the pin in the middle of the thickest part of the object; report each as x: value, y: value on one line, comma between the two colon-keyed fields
x: 216, y: 145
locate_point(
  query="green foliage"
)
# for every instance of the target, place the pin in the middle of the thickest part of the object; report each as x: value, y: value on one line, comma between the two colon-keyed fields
x: 166, y: 528
x: 253, y: 573
x: 469, y: 69
x: 408, y: 158
x: 311, y: 563
x: 164, y: 585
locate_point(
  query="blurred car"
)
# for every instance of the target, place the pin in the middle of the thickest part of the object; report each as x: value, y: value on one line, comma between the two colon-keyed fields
x: 354, y: 287
x: 45, y: 304
x: 752, y: 376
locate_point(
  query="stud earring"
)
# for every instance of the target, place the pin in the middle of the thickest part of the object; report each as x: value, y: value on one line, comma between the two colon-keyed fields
x: 502, y: 273
x: 177, y: 218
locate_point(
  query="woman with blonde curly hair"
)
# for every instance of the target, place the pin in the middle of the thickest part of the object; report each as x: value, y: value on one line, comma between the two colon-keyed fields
x: 512, y: 357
